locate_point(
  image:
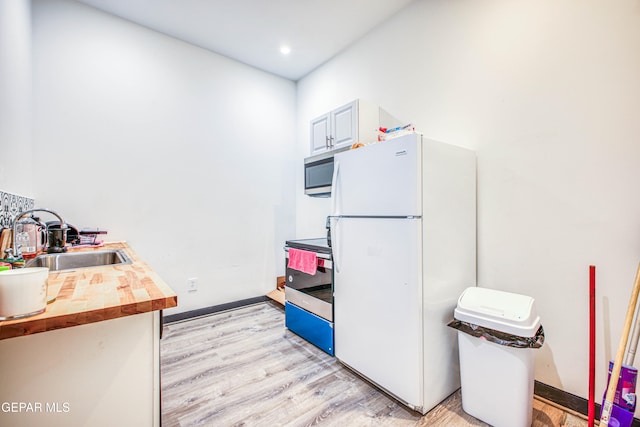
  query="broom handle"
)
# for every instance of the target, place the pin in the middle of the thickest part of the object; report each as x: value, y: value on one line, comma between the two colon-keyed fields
x: 592, y: 346
x: 633, y: 344
x: 615, y: 372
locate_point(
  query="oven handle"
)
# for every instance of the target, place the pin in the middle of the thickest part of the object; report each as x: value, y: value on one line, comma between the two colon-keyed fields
x: 318, y: 254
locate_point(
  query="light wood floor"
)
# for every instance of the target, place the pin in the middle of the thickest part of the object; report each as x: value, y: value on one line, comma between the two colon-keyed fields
x: 244, y: 368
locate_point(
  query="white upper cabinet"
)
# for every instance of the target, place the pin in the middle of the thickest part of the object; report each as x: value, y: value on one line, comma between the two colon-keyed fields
x: 357, y: 121
x: 320, y: 132
x: 344, y: 123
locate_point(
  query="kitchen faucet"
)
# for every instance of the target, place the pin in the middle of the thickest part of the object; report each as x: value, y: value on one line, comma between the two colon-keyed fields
x: 57, y: 248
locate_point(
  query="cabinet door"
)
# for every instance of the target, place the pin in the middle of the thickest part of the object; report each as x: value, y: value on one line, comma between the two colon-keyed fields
x: 320, y: 134
x: 344, y: 122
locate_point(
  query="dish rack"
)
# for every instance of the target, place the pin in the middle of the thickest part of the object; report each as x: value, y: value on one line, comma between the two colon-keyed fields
x: 89, y: 237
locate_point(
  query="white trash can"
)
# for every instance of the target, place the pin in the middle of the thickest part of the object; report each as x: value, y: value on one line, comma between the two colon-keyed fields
x: 497, y: 332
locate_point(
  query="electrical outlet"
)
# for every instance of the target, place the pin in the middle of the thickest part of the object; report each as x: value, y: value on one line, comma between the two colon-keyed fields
x: 192, y: 284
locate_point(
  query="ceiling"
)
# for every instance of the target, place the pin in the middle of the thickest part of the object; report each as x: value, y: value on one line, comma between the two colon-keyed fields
x: 252, y: 31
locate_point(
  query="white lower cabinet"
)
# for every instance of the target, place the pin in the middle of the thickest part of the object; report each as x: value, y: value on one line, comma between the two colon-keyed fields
x: 99, y: 374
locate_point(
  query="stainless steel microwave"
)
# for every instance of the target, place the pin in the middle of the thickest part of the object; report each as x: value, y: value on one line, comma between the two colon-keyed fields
x: 318, y: 174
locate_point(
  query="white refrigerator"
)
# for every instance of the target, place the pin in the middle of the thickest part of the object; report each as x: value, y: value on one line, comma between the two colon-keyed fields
x: 403, y: 232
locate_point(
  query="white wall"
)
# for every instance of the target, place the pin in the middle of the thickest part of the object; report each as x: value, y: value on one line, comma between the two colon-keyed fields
x: 15, y: 96
x: 548, y: 95
x: 185, y: 154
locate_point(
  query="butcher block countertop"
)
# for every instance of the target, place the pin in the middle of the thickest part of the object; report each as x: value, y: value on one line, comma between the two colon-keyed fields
x: 94, y: 294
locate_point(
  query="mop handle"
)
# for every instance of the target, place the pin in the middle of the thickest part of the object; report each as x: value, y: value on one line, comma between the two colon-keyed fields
x: 615, y: 372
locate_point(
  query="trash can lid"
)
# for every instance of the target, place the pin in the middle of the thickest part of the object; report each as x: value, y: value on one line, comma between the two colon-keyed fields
x: 503, y: 311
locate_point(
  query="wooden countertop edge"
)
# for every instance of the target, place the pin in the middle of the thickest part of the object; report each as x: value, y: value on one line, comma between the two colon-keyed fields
x: 33, y: 326
x: 44, y: 322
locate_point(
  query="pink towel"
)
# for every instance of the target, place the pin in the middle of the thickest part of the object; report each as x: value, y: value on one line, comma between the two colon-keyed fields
x: 304, y: 261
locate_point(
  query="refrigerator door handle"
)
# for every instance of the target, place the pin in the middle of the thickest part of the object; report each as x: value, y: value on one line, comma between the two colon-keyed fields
x: 334, y: 187
x: 335, y: 243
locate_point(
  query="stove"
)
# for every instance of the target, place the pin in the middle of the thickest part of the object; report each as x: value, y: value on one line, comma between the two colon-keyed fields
x: 320, y: 245
x: 309, y: 297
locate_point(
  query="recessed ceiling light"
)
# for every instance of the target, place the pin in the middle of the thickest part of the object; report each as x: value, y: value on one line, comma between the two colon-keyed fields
x: 285, y: 50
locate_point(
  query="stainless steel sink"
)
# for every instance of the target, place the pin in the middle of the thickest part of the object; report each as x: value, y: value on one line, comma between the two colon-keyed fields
x: 76, y: 260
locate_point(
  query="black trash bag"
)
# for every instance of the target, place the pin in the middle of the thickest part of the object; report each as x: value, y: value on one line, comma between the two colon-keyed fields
x: 498, y: 337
